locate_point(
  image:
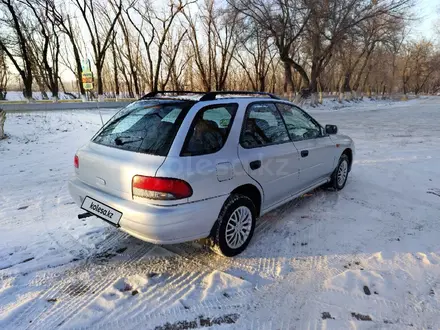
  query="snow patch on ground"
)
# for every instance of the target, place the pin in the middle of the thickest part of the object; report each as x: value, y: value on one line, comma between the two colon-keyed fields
x: 365, y: 257
x: 18, y: 96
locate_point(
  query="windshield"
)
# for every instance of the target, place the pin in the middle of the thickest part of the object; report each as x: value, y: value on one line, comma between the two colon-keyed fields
x: 144, y: 126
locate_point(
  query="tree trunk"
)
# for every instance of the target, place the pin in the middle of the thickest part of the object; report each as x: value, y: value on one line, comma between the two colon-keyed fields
x: 320, y: 100
x: 2, y: 123
x: 27, y: 91
x: 100, y: 84
x: 115, y: 71
x: 346, y: 86
x: 298, y: 68
x: 289, y: 87
x: 313, y: 86
x: 82, y: 91
x: 314, y: 97
x: 384, y: 89
x: 356, y: 95
x: 55, y: 91
x: 341, y: 96
x: 405, y: 91
x: 136, y: 83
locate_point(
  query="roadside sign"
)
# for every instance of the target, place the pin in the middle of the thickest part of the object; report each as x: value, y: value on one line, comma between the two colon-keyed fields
x: 85, y: 65
x: 88, y: 86
x: 87, y: 75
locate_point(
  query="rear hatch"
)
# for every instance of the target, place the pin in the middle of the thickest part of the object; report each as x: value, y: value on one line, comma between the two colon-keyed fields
x: 135, y: 141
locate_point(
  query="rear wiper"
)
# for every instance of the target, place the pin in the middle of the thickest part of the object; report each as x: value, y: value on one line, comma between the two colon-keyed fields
x: 119, y: 142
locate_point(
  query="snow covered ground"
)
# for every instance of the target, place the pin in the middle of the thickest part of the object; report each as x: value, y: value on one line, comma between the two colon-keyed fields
x: 18, y: 96
x: 365, y: 257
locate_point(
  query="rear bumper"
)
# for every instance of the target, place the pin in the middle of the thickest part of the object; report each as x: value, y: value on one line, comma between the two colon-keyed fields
x: 154, y: 223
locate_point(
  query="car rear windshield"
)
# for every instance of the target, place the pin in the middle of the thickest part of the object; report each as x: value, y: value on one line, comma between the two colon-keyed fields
x: 144, y: 126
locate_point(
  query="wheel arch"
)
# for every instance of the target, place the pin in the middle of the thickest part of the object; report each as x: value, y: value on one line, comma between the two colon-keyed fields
x: 349, y: 154
x: 249, y: 190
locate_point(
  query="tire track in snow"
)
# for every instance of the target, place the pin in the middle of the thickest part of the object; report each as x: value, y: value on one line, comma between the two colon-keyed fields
x: 160, y: 293
x: 170, y: 293
x: 215, y: 306
x: 69, y: 243
x: 79, y: 295
x: 204, y: 257
x: 272, y: 267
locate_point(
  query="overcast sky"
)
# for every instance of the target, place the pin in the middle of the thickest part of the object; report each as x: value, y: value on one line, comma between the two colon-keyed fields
x: 428, y: 10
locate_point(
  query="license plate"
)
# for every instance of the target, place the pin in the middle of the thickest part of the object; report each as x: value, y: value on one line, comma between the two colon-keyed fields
x: 101, y: 210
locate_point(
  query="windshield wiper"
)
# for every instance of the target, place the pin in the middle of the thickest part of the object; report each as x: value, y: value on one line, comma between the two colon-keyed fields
x: 119, y: 142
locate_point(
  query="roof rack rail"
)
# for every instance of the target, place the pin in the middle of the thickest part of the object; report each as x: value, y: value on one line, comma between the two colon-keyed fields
x: 210, y: 96
x: 156, y: 93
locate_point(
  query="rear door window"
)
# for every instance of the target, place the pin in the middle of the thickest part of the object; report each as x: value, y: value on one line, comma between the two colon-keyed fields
x: 144, y: 126
x: 209, y: 130
x: 263, y: 126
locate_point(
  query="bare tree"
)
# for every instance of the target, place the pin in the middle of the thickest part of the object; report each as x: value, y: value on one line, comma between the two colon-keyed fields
x: 174, y: 64
x: 2, y: 123
x: 131, y: 54
x: 155, y: 35
x: 115, y: 65
x: 47, y: 52
x: 100, y: 22
x: 331, y: 23
x: 16, y: 45
x: 218, y: 26
x: 255, y: 56
x: 285, y: 22
x: 4, y: 75
x: 420, y: 65
x: 69, y: 27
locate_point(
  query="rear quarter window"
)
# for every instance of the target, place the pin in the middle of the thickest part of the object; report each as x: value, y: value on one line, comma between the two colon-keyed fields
x: 144, y: 126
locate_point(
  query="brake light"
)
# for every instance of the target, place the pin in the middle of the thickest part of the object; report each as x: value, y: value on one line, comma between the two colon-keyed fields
x: 160, y: 188
x: 76, y: 161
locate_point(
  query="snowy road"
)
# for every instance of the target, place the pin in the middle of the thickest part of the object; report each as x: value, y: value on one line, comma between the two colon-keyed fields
x: 364, y: 257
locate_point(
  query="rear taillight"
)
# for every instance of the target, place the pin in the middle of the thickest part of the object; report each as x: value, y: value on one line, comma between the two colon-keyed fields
x: 76, y: 161
x: 160, y: 188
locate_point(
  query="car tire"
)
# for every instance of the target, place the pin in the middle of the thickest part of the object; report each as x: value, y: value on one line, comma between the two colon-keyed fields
x: 340, y: 174
x: 235, y: 226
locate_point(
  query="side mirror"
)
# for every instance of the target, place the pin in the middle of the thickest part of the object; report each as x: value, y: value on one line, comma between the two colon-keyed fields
x: 331, y: 129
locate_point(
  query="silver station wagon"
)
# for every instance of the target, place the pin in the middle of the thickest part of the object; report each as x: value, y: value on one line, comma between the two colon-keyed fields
x: 175, y: 166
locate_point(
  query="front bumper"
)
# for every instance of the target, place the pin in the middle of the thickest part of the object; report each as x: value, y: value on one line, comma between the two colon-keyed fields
x: 155, y: 223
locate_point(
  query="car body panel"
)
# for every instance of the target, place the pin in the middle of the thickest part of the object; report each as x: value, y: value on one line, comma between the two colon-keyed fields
x: 105, y: 174
x: 156, y: 223
x: 279, y: 171
x: 112, y: 170
x: 318, y: 160
x: 343, y: 142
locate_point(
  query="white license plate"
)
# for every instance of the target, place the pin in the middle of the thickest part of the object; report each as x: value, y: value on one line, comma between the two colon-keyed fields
x: 101, y: 210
